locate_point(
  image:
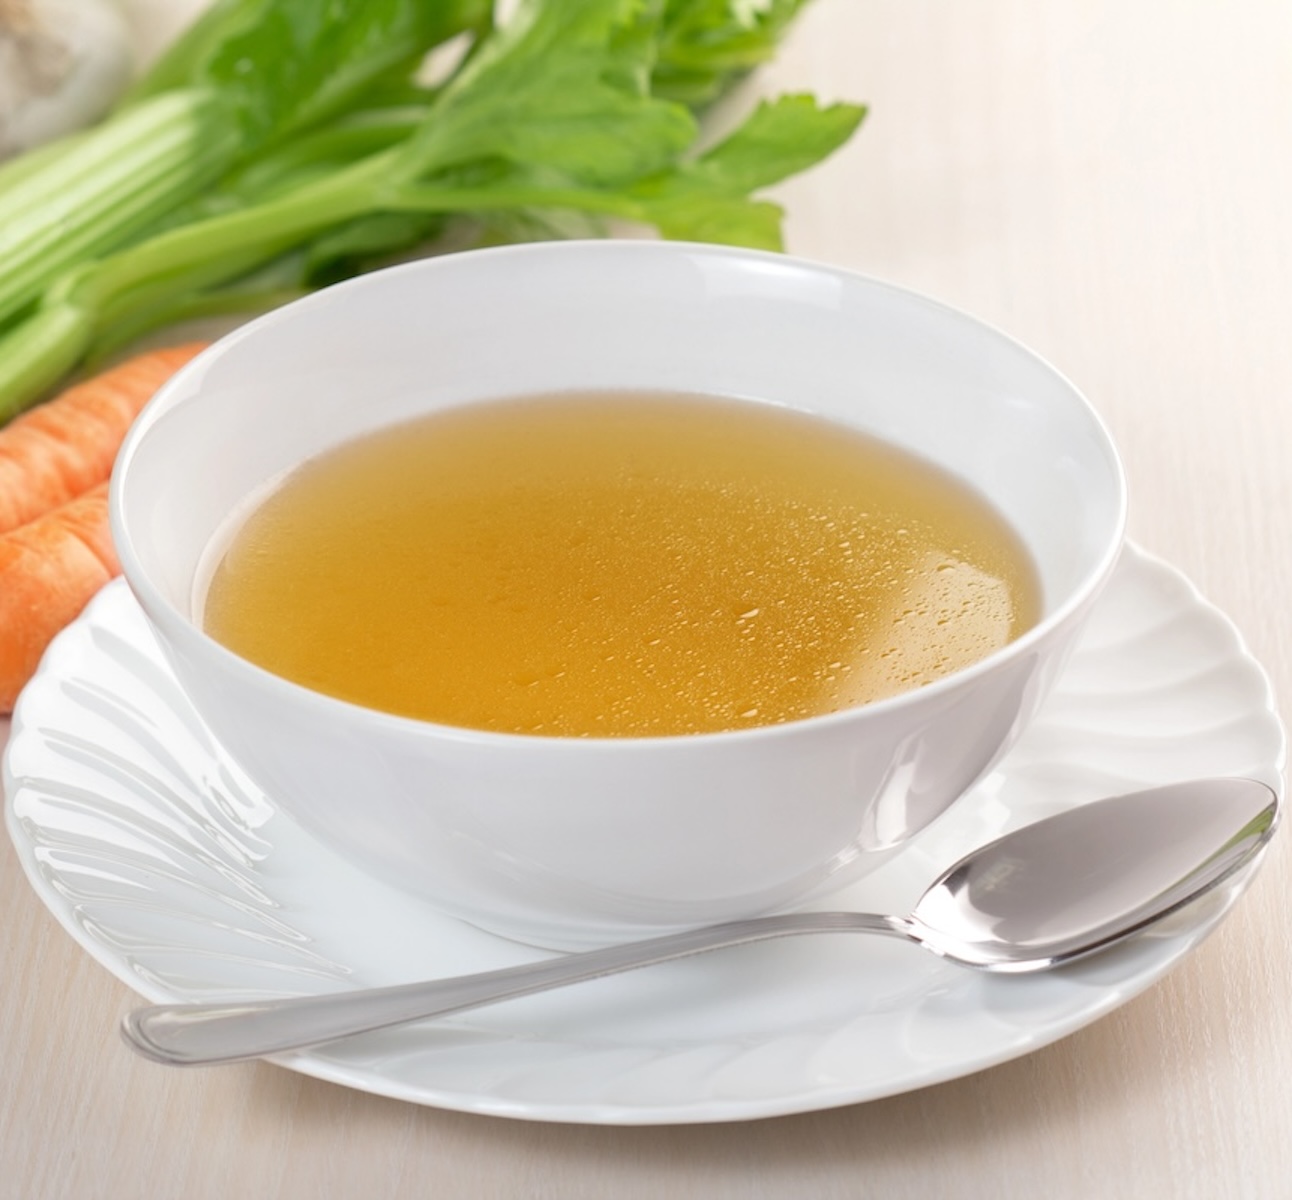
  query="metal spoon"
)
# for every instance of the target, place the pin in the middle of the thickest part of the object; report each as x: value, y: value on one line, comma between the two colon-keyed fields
x: 1045, y: 895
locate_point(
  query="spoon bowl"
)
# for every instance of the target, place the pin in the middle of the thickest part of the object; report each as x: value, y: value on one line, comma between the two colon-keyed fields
x: 1068, y: 886
x: 1042, y: 896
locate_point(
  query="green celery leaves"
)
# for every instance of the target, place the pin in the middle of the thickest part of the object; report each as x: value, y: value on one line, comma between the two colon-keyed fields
x: 710, y: 199
x: 707, y: 45
x: 563, y: 88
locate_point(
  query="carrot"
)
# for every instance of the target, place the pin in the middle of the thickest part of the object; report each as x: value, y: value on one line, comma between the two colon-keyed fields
x: 49, y: 569
x: 67, y: 445
x: 55, y: 545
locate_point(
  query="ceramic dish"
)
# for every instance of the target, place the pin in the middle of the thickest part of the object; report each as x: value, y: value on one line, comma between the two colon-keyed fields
x: 572, y: 842
x: 176, y: 874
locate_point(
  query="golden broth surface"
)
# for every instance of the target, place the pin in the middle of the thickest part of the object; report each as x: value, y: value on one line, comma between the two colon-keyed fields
x: 624, y: 564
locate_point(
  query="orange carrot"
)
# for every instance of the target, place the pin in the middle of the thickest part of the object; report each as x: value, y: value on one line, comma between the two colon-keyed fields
x: 55, y: 545
x: 67, y: 445
x: 49, y: 569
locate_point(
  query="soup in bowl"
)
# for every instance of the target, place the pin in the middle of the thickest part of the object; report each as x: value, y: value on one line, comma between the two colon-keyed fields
x: 595, y: 590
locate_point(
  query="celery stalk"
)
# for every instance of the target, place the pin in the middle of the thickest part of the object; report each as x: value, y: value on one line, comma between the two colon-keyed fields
x: 43, y: 348
x: 106, y: 190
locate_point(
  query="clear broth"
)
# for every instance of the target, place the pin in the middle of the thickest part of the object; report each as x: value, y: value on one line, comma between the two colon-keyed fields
x: 619, y: 564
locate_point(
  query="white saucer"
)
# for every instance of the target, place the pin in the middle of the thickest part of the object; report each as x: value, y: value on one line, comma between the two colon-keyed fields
x: 175, y: 873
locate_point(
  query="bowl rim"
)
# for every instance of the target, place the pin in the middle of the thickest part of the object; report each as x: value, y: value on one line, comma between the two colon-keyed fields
x: 178, y: 625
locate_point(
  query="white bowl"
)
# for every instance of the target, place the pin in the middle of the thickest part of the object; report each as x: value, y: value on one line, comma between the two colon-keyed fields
x: 571, y: 842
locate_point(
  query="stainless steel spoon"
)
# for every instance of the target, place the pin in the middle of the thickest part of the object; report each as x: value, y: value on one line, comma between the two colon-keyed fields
x: 1044, y: 895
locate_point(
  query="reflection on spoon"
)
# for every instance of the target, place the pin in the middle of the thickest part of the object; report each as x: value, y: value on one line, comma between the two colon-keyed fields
x: 1042, y: 896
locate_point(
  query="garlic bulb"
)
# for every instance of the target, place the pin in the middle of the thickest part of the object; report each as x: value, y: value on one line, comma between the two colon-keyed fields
x: 62, y: 64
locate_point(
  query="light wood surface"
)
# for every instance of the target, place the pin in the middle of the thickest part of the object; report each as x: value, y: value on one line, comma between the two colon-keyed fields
x: 1112, y: 184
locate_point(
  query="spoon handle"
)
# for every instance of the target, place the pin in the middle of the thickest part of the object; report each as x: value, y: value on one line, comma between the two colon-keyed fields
x: 198, y: 1034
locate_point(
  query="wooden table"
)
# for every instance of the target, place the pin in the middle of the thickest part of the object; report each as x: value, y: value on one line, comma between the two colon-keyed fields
x: 1112, y: 184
